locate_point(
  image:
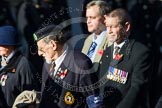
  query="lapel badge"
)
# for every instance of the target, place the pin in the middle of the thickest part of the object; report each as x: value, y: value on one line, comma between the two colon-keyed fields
x: 69, y: 98
x: 62, y: 74
x: 100, y: 52
x: 3, y: 80
x: 118, y: 57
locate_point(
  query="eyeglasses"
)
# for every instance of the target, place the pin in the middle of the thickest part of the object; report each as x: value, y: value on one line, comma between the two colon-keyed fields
x: 43, y: 49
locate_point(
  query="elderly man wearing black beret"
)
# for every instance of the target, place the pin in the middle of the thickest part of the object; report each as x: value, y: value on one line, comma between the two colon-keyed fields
x: 68, y: 79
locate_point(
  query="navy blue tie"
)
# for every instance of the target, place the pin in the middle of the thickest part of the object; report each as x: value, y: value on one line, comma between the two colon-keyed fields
x: 92, y: 49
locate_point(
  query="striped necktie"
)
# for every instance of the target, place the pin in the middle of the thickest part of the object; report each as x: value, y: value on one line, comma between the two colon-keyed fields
x: 116, y: 50
x: 51, y: 70
x: 92, y: 49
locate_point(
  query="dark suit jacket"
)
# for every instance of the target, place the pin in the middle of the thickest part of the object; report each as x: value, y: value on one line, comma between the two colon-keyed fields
x: 79, y: 74
x: 136, y: 61
x: 159, y: 103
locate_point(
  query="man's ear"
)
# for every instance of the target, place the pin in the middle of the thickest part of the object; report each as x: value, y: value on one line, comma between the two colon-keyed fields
x: 53, y: 45
x: 105, y: 19
x: 127, y: 26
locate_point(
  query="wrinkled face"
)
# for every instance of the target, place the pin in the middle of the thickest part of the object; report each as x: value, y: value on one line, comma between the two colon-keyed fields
x: 94, y: 21
x: 5, y: 50
x: 115, y: 31
x: 46, y: 51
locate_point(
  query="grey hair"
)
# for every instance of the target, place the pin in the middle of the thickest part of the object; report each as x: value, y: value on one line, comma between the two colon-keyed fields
x: 104, y: 8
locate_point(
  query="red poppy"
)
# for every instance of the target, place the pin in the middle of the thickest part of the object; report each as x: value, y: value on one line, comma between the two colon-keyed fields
x: 100, y: 52
x: 118, y: 57
x: 63, y: 74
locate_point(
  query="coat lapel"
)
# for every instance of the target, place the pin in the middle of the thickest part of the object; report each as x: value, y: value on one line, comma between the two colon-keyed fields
x: 117, y: 59
x: 113, y: 62
x: 62, y: 71
x: 105, y: 60
x: 125, y: 51
x: 101, y: 48
x: 87, y: 44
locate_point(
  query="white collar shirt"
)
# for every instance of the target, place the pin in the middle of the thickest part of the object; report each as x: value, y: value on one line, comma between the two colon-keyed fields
x: 59, y: 60
x: 98, y: 42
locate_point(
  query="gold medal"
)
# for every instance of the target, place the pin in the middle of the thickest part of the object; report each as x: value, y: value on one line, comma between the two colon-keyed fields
x: 69, y: 98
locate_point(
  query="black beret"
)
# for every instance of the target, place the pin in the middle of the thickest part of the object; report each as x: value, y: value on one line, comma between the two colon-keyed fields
x: 60, y: 34
x: 43, y: 32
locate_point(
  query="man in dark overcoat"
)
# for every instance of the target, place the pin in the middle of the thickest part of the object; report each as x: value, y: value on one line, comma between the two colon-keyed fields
x: 68, y: 79
x: 16, y: 74
x: 125, y: 65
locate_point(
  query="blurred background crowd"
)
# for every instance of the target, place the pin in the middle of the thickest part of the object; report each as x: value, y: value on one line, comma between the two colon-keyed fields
x: 29, y: 15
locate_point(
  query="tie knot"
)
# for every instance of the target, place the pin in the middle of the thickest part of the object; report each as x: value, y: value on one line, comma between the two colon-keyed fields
x: 92, y: 49
x: 52, y: 66
x: 94, y: 44
x: 116, y: 49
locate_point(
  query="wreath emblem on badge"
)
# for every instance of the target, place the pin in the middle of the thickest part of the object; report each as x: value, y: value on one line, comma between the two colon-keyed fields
x: 69, y: 98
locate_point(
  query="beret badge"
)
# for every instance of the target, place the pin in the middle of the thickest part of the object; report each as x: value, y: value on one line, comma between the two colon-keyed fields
x: 35, y: 37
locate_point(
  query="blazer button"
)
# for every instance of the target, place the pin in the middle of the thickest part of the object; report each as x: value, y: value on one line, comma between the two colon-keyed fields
x: 55, y: 101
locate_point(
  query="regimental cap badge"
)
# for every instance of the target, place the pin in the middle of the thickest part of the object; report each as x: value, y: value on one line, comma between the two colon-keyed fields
x: 69, y: 98
x: 35, y: 37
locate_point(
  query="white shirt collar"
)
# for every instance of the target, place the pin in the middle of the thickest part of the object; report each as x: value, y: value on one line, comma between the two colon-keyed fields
x: 99, y: 39
x: 119, y: 45
x: 10, y: 56
x: 60, y: 59
x: 98, y: 42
